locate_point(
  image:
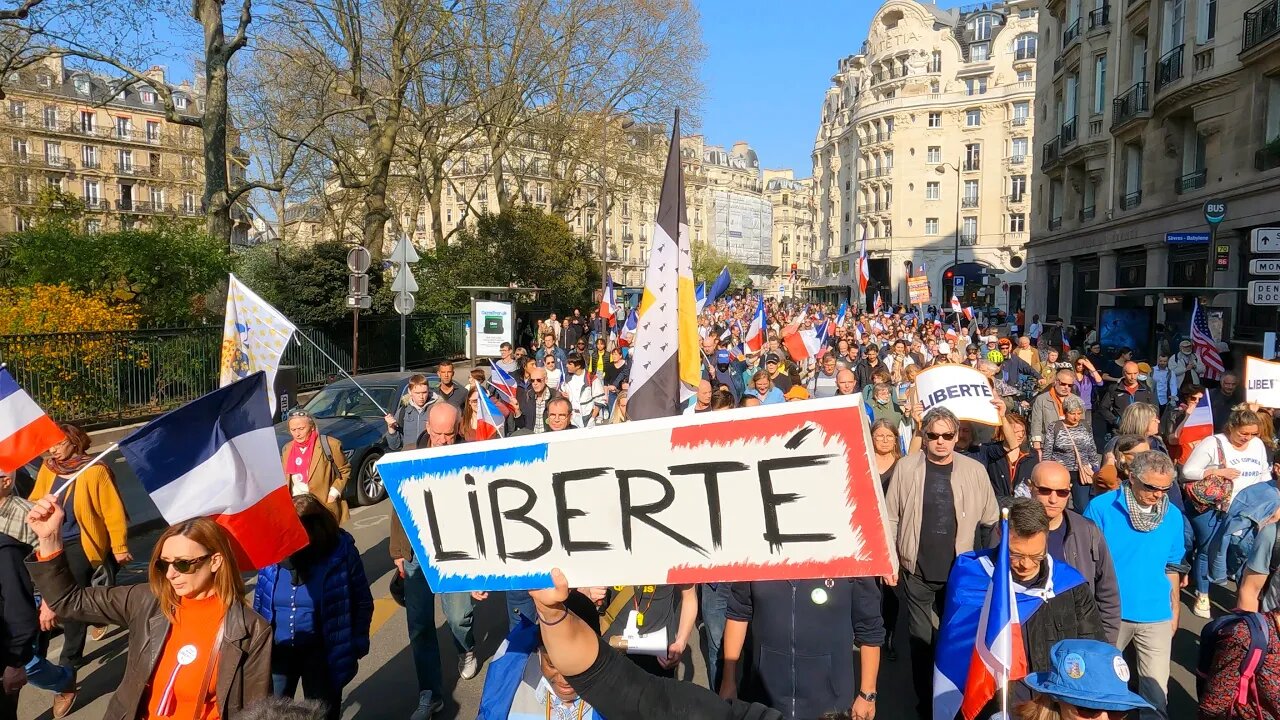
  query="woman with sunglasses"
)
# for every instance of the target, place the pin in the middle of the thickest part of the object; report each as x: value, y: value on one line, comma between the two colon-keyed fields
x: 1231, y: 461
x: 319, y: 606
x: 1089, y: 680
x: 195, y: 648
x: 555, y: 374
x: 1070, y: 442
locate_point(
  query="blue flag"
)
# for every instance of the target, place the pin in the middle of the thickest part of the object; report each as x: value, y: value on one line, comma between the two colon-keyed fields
x: 719, y: 287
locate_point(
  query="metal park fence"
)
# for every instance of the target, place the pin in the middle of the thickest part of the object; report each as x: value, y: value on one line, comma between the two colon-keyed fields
x: 100, y: 379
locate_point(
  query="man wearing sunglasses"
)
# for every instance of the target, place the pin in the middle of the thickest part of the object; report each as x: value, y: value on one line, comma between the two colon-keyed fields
x: 936, y: 503
x: 1047, y: 407
x: 1143, y: 530
x: 1077, y: 541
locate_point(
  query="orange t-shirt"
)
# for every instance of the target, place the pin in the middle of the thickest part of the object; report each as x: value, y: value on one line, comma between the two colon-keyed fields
x: 197, y: 627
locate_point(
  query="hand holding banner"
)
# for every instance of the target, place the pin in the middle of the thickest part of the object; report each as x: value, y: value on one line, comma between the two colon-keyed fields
x: 778, y: 492
x: 960, y: 389
x: 1262, y: 382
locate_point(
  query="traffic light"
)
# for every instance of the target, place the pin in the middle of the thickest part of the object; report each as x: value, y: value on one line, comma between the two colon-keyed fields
x: 948, y: 275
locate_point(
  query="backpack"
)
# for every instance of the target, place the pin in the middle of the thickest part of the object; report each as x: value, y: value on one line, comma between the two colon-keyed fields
x: 1219, y: 630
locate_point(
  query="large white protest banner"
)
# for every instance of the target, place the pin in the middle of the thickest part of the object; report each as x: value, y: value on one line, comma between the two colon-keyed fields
x: 1262, y: 382
x: 774, y: 492
x: 960, y: 389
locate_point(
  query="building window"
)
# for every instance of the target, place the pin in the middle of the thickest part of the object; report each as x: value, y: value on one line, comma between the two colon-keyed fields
x: 53, y: 152
x: 124, y: 128
x: 1099, y: 83
x: 1017, y: 222
x: 935, y: 119
x: 980, y: 27
x: 93, y: 227
x: 81, y: 85
x: 189, y: 202
x: 20, y: 148
x: 1017, y: 188
x: 126, y: 160
x: 1024, y: 76
x: 934, y: 154
x: 1206, y: 20
x: 1174, y: 15
x: 17, y: 109
x: 44, y: 80
x: 932, y: 190
x: 931, y: 226
x: 1021, y: 112
x: 89, y: 156
x: 50, y: 117
x: 973, y: 118
x: 87, y: 120
x: 971, y: 193
x: 153, y: 131
x: 934, y: 87
x: 180, y: 102
x: 979, y: 52
x: 975, y: 86
x: 935, y: 62
x: 972, y: 156
x: 148, y: 96
x: 1024, y: 46
x: 1019, y: 147
x: 157, y: 198
x: 91, y: 194
x: 970, y: 228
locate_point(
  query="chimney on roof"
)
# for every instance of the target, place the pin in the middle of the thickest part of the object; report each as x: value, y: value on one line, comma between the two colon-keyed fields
x: 155, y: 74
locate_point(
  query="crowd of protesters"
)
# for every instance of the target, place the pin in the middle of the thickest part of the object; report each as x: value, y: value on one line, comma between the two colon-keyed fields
x: 1112, y: 512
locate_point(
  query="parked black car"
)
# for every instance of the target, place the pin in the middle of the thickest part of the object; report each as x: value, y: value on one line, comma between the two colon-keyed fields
x: 343, y: 412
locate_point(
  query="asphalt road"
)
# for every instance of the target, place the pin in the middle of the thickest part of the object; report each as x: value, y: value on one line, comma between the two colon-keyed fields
x: 385, y: 687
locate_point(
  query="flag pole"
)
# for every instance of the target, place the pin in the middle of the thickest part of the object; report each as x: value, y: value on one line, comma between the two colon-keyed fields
x: 341, y: 370
x: 61, y: 493
x: 1004, y: 669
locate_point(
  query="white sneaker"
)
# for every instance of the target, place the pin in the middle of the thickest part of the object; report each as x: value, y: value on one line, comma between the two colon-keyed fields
x: 1202, y: 607
x: 428, y: 705
x: 468, y: 667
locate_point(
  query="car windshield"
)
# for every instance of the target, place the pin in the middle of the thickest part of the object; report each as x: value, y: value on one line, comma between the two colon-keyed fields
x: 349, y: 401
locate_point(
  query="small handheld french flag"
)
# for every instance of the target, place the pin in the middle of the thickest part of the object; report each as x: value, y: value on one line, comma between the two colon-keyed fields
x: 503, y: 384
x: 25, y: 429
x: 489, y: 423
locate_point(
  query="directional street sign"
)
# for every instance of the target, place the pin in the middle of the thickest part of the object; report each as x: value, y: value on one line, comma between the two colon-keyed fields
x: 1264, y: 292
x: 1264, y: 240
x: 1264, y: 266
x: 404, y: 282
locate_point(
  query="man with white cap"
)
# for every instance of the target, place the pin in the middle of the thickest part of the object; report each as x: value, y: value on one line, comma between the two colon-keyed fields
x: 1185, y: 362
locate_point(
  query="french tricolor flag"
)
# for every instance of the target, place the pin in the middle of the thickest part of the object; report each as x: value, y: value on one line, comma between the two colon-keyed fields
x: 25, y: 429
x: 999, y: 655
x: 755, y: 333
x: 955, y: 305
x: 503, y: 384
x: 490, y: 421
x: 218, y: 456
x: 1197, y: 427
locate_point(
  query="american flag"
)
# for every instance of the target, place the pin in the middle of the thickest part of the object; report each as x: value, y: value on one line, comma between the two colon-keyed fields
x: 1205, y: 347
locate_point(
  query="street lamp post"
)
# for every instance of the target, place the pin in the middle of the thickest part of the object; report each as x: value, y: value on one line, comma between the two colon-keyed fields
x: 941, y: 170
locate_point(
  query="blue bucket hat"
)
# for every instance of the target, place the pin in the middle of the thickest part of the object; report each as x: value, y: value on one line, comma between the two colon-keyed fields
x: 1088, y: 674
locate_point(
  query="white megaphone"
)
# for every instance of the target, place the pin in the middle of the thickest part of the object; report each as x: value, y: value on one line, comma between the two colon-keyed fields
x: 633, y: 643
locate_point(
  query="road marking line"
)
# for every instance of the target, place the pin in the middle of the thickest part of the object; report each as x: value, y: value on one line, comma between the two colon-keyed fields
x: 383, y: 609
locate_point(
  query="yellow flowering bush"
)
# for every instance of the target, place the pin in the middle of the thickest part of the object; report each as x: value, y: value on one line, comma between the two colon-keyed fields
x: 71, y: 376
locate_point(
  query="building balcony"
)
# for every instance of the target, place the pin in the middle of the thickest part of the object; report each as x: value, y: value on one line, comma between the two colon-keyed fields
x: 1267, y: 157
x: 1131, y: 200
x: 190, y: 211
x: 60, y: 164
x: 1015, y: 199
x: 1135, y: 102
x: 1058, y: 63
x: 1070, y: 131
x: 1016, y: 160
x: 1169, y: 69
x: 1070, y: 34
x: 1050, y: 152
x: 1089, y: 213
x: 1019, y: 122
x: 969, y: 202
x: 971, y: 165
x: 1100, y: 18
x: 1191, y: 181
x: 97, y: 204
x: 1261, y: 24
x: 1055, y: 223
x: 968, y: 239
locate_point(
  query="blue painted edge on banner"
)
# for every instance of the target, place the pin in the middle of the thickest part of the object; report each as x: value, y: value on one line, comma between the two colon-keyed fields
x: 487, y: 459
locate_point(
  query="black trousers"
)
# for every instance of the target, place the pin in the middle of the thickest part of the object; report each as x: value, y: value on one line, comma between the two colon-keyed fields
x: 924, y: 612
x: 82, y: 571
x: 8, y: 706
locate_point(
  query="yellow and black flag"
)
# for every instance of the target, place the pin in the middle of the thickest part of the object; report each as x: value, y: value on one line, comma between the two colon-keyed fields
x: 665, y: 369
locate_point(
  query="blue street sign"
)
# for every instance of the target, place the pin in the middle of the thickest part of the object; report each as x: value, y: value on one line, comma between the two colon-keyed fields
x: 1186, y: 238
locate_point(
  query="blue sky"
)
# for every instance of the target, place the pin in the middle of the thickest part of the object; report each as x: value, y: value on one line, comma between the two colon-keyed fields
x: 769, y: 63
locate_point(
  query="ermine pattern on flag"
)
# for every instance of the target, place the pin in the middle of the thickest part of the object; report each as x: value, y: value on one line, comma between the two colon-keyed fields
x: 25, y: 429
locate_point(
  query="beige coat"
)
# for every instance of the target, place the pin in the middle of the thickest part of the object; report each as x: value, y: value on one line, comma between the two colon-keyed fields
x: 975, y: 503
x: 323, y: 475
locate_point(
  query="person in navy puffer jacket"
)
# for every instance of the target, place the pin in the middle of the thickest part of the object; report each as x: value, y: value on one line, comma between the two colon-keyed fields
x: 319, y: 606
